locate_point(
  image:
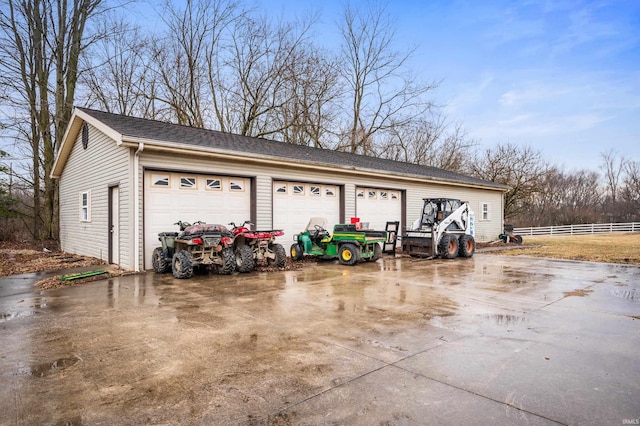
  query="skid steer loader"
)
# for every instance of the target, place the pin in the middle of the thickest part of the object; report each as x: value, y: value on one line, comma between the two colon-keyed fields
x: 444, y: 229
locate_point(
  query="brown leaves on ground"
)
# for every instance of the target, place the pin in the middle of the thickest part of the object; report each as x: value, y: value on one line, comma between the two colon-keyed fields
x: 24, y: 258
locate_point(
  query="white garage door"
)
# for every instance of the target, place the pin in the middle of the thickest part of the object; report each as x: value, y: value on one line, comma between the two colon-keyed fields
x: 378, y: 206
x: 170, y: 197
x: 294, y: 203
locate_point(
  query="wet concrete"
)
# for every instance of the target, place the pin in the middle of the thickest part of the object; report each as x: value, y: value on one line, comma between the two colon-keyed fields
x: 487, y: 340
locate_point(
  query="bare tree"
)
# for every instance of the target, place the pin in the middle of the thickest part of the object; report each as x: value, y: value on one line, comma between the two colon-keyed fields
x: 179, y: 57
x: 261, y: 62
x: 432, y: 143
x: 383, y: 95
x: 41, y: 42
x: 580, y: 198
x: 521, y: 168
x: 630, y: 192
x: 115, y: 70
x: 613, y: 167
x: 308, y: 116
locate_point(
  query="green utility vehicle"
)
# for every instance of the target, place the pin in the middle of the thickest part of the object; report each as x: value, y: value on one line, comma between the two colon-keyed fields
x: 348, y: 243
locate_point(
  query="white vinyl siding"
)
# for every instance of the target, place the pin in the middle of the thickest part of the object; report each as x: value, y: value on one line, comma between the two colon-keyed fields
x: 92, y: 171
x: 264, y: 202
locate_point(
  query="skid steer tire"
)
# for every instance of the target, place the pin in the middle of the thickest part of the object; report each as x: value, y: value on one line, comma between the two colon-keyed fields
x: 181, y: 265
x: 448, y: 246
x: 159, y: 261
x: 244, y: 259
x: 281, y: 256
x: 296, y: 252
x: 348, y: 254
x: 467, y: 246
x: 228, y: 262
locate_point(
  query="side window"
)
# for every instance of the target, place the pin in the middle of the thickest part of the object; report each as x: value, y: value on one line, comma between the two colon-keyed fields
x: 384, y: 195
x: 314, y: 190
x: 298, y: 189
x: 360, y: 193
x: 485, y: 211
x: 85, y: 206
x: 372, y: 194
x: 330, y: 191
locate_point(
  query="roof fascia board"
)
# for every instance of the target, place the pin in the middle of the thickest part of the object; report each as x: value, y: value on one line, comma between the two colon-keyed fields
x: 172, y: 147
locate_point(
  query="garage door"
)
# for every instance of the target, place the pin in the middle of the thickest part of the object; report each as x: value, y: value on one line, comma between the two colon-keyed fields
x: 295, y: 202
x: 170, y: 197
x: 378, y: 206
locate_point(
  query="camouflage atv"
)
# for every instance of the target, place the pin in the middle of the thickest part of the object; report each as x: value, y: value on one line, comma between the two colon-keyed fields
x: 198, y: 246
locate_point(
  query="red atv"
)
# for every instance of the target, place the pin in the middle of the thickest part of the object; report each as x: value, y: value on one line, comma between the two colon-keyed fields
x: 252, y: 247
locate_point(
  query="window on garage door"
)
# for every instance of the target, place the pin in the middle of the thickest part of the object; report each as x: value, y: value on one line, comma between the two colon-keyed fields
x: 213, y: 184
x: 188, y: 182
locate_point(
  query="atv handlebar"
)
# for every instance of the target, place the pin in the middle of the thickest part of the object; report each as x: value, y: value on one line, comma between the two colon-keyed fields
x: 246, y: 222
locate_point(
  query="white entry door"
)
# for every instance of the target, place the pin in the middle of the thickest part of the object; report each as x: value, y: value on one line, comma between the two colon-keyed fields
x: 114, y: 225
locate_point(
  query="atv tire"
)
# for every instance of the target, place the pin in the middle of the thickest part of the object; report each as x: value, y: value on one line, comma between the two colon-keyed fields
x: 159, y: 261
x: 467, y: 246
x: 228, y: 262
x: 244, y: 258
x: 296, y: 252
x: 281, y: 256
x: 181, y: 265
x: 348, y: 254
x: 448, y: 246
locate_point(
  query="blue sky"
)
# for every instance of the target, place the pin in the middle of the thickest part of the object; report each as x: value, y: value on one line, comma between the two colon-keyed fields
x: 560, y: 76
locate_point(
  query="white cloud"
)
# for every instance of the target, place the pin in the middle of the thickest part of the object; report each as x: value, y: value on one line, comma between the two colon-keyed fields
x: 532, y: 93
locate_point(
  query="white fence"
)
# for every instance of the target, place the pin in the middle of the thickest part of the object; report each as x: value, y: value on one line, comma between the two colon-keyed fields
x: 591, y: 228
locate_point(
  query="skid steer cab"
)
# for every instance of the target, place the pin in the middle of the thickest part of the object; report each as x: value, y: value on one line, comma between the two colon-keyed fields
x: 347, y: 243
x: 444, y: 229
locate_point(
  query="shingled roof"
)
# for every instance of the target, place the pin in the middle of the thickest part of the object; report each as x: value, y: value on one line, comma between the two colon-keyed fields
x: 139, y: 128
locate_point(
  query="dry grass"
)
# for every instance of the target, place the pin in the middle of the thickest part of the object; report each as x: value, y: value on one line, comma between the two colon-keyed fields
x: 610, y: 248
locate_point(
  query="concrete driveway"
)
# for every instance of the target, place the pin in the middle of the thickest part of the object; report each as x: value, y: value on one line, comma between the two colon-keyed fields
x: 487, y: 340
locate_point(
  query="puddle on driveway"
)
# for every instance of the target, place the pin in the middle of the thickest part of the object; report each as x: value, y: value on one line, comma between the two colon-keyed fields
x: 48, y: 368
x: 633, y: 294
x: 505, y: 319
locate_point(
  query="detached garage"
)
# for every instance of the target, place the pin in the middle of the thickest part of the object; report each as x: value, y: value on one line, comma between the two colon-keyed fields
x: 124, y: 179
